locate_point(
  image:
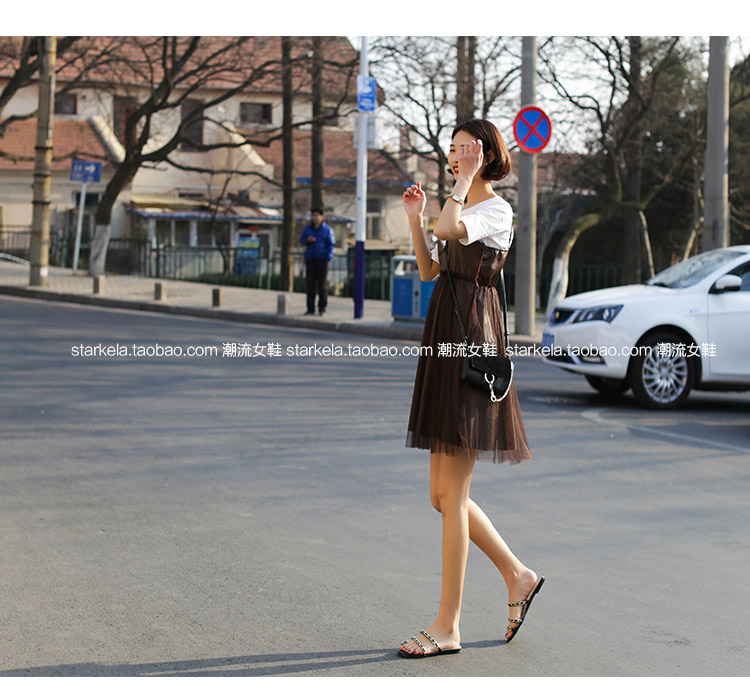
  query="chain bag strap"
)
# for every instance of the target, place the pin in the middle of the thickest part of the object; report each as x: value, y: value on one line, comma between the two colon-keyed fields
x: 487, y: 372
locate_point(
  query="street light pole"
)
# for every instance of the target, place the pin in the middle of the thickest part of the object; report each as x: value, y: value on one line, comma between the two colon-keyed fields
x: 361, y: 219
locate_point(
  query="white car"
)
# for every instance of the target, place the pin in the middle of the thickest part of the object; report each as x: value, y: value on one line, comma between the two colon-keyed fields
x: 686, y: 328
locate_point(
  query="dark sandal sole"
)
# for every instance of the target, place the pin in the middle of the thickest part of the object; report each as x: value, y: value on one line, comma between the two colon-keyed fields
x: 404, y: 654
x: 424, y: 654
x: 534, y: 591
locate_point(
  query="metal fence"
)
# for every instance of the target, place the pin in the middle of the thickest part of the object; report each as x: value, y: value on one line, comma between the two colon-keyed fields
x: 235, y: 266
x: 124, y: 256
x: 15, y: 240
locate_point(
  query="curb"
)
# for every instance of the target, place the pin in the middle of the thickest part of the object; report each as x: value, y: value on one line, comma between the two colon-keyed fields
x: 393, y: 331
x: 385, y: 331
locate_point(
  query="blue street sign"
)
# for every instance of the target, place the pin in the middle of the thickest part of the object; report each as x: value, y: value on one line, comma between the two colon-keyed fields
x: 367, y: 89
x: 85, y: 171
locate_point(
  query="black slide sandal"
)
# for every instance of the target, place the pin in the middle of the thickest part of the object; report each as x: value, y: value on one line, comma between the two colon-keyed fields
x: 527, y: 604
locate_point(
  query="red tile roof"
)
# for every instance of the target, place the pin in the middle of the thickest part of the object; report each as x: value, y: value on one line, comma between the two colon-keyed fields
x: 137, y: 60
x: 70, y: 139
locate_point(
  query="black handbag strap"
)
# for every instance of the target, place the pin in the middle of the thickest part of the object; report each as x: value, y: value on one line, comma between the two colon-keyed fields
x: 457, y: 310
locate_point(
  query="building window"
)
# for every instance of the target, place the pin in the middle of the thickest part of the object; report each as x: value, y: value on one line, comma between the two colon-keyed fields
x: 122, y: 107
x: 66, y: 104
x: 374, y: 219
x: 92, y: 200
x: 182, y: 232
x: 255, y: 113
x: 331, y: 116
x: 193, y: 133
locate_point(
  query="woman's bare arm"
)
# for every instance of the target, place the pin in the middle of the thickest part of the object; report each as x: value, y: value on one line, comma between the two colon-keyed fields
x: 414, y: 204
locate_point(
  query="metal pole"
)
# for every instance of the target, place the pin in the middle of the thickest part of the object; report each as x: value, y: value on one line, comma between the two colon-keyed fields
x: 361, y: 220
x: 79, y: 227
x: 39, y: 249
x: 525, y: 280
x: 716, y: 184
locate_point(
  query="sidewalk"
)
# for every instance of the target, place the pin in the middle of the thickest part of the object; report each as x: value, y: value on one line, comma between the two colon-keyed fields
x: 237, y: 304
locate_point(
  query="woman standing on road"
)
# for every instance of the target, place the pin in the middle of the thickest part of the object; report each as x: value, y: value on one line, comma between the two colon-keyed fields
x: 459, y: 423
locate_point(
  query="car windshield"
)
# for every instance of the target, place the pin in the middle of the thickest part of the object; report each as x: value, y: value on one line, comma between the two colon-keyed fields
x: 688, y: 273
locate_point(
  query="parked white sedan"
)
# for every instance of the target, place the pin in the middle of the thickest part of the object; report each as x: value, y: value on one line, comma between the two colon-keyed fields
x: 686, y: 328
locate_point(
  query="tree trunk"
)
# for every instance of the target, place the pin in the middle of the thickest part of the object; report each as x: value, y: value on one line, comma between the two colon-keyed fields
x: 633, y: 165
x: 698, y: 215
x: 318, y: 156
x: 287, y: 234
x: 559, y: 286
x: 646, y: 243
x: 99, y: 245
x: 466, y: 48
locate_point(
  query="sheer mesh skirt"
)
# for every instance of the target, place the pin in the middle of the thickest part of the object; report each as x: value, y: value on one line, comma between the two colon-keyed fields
x: 447, y: 414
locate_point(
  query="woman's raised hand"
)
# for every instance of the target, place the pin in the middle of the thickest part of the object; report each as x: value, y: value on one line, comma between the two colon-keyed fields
x: 415, y: 200
x: 470, y: 158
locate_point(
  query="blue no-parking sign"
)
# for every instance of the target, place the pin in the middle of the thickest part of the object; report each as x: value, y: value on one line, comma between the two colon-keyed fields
x: 532, y: 129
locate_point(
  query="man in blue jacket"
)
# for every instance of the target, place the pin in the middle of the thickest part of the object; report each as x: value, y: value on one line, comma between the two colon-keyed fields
x: 320, y: 242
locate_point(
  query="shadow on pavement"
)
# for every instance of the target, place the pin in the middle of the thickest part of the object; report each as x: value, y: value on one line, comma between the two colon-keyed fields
x: 252, y: 665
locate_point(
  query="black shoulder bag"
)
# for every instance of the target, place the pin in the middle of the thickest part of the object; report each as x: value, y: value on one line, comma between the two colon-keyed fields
x: 493, y: 373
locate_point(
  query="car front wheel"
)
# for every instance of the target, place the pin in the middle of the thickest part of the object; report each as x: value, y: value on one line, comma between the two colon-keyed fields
x: 661, y: 374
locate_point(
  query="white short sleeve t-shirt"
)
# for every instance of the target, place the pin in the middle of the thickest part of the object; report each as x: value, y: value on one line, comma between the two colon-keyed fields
x: 489, y: 222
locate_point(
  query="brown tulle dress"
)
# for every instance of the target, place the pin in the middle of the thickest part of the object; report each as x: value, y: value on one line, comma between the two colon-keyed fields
x: 447, y: 413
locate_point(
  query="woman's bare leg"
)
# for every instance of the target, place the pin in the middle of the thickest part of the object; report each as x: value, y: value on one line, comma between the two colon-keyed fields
x: 518, y: 578
x: 450, y: 477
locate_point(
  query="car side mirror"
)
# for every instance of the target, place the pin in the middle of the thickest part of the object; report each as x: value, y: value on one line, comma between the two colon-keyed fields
x: 727, y: 283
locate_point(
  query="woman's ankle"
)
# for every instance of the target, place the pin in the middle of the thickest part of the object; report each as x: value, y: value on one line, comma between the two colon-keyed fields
x: 448, y: 627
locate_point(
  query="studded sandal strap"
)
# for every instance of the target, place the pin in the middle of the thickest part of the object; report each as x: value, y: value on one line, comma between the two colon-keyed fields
x: 514, y: 619
x: 517, y: 602
x: 419, y: 643
x: 436, y: 644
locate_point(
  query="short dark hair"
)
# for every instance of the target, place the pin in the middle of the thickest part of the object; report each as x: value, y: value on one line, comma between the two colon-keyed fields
x: 316, y: 210
x: 492, y: 141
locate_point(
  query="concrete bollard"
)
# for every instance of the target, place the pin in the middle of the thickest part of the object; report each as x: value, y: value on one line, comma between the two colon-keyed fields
x: 99, y: 284
x: 281, y: 305
x: 160, y: 293
x: 216, y: 297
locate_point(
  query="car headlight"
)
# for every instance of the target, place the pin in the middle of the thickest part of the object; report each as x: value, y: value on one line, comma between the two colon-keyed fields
x: 597, y: 313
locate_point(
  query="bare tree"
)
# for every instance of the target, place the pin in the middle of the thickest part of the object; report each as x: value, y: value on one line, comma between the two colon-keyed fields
x: 20, y: 59
x: 20, y: 62
x: 428, y: 88
x: 177, y: 75
x: 621, y: 84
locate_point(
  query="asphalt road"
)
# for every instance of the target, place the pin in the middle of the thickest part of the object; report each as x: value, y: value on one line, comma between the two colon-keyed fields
x: 260, y: 515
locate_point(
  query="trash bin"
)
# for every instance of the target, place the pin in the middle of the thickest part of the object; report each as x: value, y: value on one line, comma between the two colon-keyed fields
x: 410, y: 297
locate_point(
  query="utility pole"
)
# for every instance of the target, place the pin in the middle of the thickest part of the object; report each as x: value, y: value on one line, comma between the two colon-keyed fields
x: 318, y: 156
x: 525, y: 281
x: 39, y: 249
x: 287, y: 135
x: 716, y: 184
